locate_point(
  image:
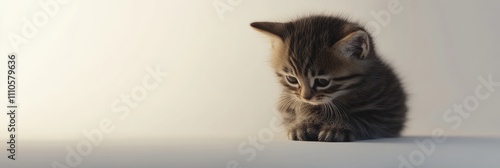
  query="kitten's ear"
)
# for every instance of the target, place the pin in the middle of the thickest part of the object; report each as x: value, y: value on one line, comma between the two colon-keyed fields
x: 270, y: 28
x: 356, y: 44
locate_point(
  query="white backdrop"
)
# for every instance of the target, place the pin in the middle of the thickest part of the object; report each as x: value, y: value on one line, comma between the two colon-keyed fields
x: 75, y: 69
x: 172, y: 83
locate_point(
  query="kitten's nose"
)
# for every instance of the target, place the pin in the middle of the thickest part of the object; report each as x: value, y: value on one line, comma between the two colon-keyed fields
x: 306, y: 94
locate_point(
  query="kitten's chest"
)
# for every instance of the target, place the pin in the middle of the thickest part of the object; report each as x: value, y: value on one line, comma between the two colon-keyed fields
x: 313, y: 114
x: 295, y: 111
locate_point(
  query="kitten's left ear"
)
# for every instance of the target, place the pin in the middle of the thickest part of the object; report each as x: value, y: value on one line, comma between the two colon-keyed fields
x: 356, y: 44
x: 271, y: 28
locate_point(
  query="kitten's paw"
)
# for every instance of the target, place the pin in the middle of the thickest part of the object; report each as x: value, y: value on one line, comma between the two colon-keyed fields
x: 303, y: 134
x: 329, y: 134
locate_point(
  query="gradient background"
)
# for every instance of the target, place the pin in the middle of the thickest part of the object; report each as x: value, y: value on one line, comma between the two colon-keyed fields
x: 220, y: 87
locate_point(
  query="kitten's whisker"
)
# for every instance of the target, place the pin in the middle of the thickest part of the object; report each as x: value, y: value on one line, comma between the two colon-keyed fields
x: 332, y: 111
x: 341, y: 105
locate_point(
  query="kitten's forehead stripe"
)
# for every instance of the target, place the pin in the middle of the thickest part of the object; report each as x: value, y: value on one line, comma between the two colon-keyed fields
x: 303, y: 53
x: 293, y: 63
x: 306, y: 37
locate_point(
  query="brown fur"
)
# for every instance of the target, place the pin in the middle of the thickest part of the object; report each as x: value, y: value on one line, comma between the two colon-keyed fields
x: 363, y: 98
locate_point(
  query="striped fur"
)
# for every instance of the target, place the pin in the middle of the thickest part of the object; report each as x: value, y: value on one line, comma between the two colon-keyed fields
x: 336, y: 87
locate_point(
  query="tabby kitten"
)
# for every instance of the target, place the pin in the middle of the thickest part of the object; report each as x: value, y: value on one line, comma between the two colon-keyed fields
x: 335, y: 86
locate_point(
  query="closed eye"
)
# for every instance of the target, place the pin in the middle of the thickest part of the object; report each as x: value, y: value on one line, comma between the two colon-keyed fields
x: 292, y: 81
x: 321, y: 82
x: 348, y: 77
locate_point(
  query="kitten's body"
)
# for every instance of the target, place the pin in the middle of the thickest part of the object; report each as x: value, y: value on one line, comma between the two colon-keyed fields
x: 336, y: 88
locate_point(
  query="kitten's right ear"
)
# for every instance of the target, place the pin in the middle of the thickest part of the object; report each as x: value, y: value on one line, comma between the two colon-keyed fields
x: 356, y: 44
x: 270, y: 28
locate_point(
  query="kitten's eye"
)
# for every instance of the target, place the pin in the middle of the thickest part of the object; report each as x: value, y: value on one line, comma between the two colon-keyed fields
x: 292, y: 80
x: 320, y: 82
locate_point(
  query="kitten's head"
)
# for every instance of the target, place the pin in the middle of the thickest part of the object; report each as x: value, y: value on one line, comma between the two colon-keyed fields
x: 319, y: 58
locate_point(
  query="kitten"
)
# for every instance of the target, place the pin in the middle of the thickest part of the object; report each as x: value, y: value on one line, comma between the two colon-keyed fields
x: 335, y: 86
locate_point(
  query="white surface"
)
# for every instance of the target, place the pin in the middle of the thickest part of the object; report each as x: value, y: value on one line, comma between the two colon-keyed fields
x: 457, y: 152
